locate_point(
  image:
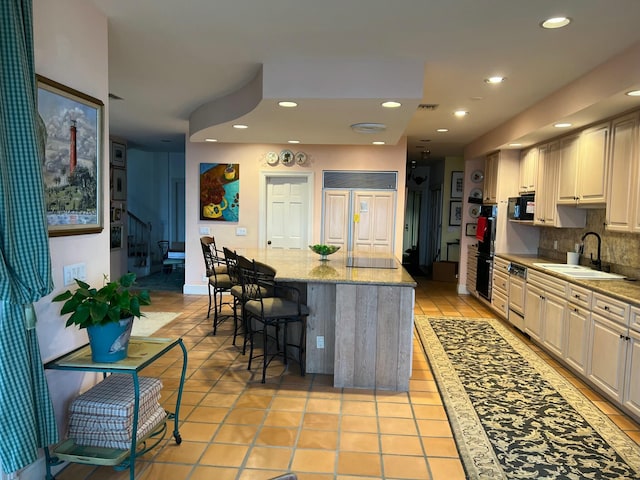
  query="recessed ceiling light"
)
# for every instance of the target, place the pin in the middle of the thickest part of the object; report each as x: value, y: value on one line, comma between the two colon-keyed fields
x: 391, y: 104
x: 293, y: 141
x: 442, y: 130
x: 210, y: 139
x: 634, y: 93
x: 515, y: 144
x: 240, y: 126
x: 555, y: 22
x: 562, y: 125
x: 461, y: 113
x: 287, y: 104
x: 494, y: 80
x: 378, y: 143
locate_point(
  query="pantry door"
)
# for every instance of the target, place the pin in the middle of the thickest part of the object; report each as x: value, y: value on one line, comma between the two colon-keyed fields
x: 360, y: 220
x: 288, y: 212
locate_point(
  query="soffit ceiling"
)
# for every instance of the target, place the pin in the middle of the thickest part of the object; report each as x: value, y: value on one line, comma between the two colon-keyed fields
x: 182, y: 68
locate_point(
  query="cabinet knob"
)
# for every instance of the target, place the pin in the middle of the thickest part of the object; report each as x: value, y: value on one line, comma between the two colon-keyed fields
x: 606, y: 307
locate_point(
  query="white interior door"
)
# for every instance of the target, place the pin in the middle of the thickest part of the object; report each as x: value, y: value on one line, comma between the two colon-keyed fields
x: 287, y: 212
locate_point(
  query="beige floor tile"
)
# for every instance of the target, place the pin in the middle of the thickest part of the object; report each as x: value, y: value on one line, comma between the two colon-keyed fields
x: 207, y: 414
x: 403, y: 466
x: 350, y: 407
x: 245, y: 416
x: 399, y: 426
x: 289, y: 404
x: 320, y: 421
x: 283, y: 419
x: 354, y: 463
x: 269, y: 458
x: 240, y: 434
x: 353, y: 423
x: 425, y: 398
x: 446, y: 469
x: 434, y: 428
x: 386, y: 409
x: 224, y: 455
x: 306, y: 460
x: 323, y: 405
x: 430, y: 412
x: 166, y: 471
x: 401, y: 445
x: 440, y: 447
x: 252, y: 401
x: 320, y: 439
x: 198, y: 431
x: 219, y: 473
x: 359, y: 442
x: 277, y: 436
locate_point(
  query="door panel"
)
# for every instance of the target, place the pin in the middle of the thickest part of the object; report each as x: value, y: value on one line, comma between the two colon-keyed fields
x: 374, y: 230
x: 287, y: 199
x: 336, y: 218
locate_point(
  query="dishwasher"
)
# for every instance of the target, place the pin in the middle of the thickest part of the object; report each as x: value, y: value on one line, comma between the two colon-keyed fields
x: 517, y: 283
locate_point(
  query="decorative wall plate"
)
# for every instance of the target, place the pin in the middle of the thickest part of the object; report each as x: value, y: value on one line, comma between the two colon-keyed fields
x: 474, y: 211
x: 477, y: 176
x: 301, y: 158
x: 286, y: 157
x: 272, y: 158
x: 475, y: 193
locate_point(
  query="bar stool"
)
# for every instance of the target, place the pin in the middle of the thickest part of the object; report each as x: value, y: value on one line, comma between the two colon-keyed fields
x: 270, y: 309
x: 218, y: 283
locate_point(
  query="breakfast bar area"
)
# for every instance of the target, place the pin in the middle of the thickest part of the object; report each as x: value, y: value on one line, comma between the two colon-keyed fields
x: 360, y: 326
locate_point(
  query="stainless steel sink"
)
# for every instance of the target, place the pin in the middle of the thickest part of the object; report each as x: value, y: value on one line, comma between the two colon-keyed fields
x: 579, y: 271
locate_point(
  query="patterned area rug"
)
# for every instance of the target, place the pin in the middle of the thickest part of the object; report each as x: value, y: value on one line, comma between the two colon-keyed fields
x: 515, y: 417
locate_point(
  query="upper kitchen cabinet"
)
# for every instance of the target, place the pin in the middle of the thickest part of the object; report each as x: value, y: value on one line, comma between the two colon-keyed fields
x: 593, y: 165
x: 491, y: 178
x: 582, y: 169
x: 623, y: 203
x: 548, y: 212
x: 528, y: 170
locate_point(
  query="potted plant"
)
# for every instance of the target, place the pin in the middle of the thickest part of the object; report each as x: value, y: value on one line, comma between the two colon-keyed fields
x: 107, y: 314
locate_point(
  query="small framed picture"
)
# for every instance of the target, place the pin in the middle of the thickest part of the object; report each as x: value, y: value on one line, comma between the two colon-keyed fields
x: 118, y: 155
x: 455, y: 213
x: 470, y: 229
x: 118, y: 184
x: 457, y: 184
x: 116, y: 213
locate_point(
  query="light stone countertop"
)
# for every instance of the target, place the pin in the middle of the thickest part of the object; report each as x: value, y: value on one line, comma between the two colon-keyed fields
x: 306, y: 266
x: 621, y: 289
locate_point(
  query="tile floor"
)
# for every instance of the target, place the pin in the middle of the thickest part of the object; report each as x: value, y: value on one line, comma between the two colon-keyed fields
x: 234, y: 427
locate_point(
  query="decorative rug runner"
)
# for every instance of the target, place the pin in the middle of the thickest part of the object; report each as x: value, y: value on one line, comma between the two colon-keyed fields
x: 513, y: 416
x: 151, y: 322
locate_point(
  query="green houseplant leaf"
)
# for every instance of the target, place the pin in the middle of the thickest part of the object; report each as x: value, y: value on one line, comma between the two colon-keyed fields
x: 116, y: 300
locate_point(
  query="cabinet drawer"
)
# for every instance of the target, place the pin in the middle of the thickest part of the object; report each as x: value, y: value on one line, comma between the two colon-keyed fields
x: 501, y: 265
x: 548, y: 283
x: 499, y: 303
x: 610, y: 308
x: 500, y: 282
x: 579, y: 295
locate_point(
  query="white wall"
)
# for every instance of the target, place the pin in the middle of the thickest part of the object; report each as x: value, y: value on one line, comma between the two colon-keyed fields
x: 252, y: 161
x: 70, y: 39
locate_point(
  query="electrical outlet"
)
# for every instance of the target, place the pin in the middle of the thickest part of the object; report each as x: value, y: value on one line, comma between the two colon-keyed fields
x: 320, y: 341
x: 241, y: 231
x: 205, y: 231
x: 71, y: 272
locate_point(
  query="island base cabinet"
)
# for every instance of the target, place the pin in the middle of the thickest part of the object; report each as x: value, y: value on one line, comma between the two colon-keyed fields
x: 607, y: 355
x: 632, y: 389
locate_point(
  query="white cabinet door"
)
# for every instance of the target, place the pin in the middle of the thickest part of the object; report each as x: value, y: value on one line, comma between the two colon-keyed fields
x: 528, y: 171
x: 568, y: 170
x: 336, y: 217
x: 533, y: 312
x: 607, y: 352
x: 632, y: 387
x: 373, y: 221
x: 553, y: 325
x: 594, y: 161
x: 623, y: 178
x: 577, y: 336
x: 491, y: 178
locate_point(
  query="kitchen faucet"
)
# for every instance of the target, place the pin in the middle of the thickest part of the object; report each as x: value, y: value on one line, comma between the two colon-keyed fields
x: 598, y: 262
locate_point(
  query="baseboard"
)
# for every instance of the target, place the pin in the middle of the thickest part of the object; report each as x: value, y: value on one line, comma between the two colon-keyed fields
x: 463, y: 290
x: 188, y: 289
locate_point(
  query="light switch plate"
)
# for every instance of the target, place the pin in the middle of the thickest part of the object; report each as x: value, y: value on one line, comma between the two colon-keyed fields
x: 205, y: 231
x: 241, y: 231
x: 71, y: 272
x: 320, y: 341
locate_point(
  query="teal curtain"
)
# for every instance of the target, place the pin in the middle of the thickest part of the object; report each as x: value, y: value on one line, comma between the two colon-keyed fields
x: 26, y: 414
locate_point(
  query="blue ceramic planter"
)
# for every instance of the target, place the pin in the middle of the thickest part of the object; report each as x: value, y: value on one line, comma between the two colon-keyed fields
x: 109, y: 343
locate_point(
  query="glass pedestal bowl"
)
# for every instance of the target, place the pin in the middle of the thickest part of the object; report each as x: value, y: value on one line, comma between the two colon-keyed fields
x: 324, y: 250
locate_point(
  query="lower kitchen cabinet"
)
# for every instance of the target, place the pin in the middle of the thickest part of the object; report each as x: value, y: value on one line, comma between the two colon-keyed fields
x: 553, y: 326
x: 607, y: 355
x: 578, y: 322
x: 544, y: 313
x: 533, y: 312
x: 632, y: 374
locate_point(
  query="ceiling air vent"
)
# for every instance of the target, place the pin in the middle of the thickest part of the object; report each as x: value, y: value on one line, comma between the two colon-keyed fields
x: 428, y: 106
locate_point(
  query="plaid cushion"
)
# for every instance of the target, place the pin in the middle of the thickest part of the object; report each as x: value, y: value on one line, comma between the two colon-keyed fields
x: 114, y: 396
x: 119, y: 438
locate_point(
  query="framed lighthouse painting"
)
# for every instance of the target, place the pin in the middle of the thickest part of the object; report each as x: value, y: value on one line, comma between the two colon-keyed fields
x: 70, y: 127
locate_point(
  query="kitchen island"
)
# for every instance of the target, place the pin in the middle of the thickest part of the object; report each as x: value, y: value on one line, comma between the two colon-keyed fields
x: 360, y: 326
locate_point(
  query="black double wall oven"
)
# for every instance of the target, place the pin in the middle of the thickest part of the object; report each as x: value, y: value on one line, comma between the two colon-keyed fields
x: 486, y: 235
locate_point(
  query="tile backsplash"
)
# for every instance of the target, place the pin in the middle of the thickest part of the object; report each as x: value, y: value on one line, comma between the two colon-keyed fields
x: 620, y: 251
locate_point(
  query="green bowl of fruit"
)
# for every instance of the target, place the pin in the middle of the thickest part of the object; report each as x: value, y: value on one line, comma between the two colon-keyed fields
x: 324, y: 250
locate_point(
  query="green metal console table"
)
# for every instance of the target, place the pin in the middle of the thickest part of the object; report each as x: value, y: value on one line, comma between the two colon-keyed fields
x: 142, y: 352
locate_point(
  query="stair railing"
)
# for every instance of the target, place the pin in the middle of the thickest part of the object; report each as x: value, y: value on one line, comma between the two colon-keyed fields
x: 139, y: 240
